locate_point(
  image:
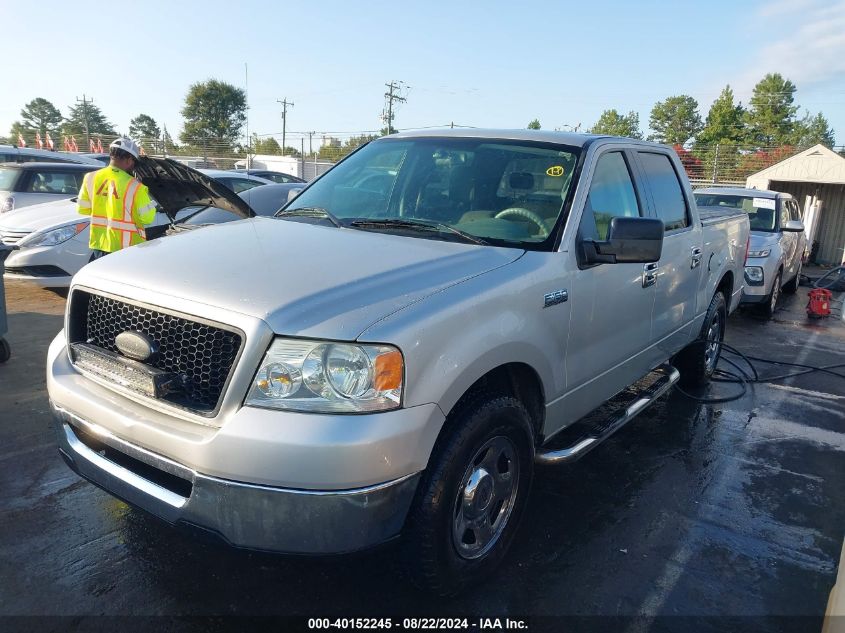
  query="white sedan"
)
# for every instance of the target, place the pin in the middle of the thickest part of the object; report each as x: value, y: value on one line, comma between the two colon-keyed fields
x: 50, y: 241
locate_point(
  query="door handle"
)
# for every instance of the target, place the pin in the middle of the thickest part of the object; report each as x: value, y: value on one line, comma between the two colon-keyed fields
x: 695, y: 259
x: 650, y: 274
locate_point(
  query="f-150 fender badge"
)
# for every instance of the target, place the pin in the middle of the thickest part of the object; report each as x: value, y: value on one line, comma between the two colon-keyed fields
x: 554, y: 298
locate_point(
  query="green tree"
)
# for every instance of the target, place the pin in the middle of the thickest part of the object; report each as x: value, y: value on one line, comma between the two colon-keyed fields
x: 675, y: 120
x: 534, y: 125
x: 39, y: 115
x: 724, y: 123
x: 269, y: 146
x: 74, y: 124
x: 717, y: 144
x: 812, y: 130
x: 214, y: 112
x: 771, y: 115
x: 614, y: 124
x: 144, y: 127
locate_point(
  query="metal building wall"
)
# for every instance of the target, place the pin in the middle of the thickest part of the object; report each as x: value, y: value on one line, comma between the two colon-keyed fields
x: 830, y: 233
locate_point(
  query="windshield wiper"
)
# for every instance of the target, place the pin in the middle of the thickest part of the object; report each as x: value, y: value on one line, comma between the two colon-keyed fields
x: 310, y: 212
x: 417, y: 225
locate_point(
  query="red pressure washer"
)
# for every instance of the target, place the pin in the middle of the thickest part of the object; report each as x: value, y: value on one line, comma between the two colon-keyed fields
x: 818, y: 307
x: 821, y: 297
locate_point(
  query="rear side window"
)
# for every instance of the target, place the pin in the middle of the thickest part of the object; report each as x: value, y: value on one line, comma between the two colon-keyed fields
x: 669, y: 201
x: 60, y: 182
x: 611, y: 196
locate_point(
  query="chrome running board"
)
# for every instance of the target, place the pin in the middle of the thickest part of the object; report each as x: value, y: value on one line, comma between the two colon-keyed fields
x: 667, y: 377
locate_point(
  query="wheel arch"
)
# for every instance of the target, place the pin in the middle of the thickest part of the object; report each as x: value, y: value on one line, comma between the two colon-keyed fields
x: 517, y: 379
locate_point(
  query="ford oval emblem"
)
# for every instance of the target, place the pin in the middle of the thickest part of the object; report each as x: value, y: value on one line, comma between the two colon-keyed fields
x: 136, y: 345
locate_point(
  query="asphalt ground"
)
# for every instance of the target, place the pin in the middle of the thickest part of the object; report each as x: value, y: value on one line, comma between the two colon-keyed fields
x: 693, y: 517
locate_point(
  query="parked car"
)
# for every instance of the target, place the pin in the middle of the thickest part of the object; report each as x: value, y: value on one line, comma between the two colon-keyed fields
x: 387, y: 357
x: 269, y: 174
x: 778, y: 242
x: 25, y: 184
x: 11, y: 154
x: 235, y: 182
x: 50, y: 241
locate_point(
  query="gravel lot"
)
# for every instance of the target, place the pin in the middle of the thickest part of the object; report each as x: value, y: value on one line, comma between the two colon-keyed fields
x: 733, y: 510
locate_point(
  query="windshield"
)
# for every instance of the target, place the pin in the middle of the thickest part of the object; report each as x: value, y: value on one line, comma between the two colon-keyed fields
x: 761, y: 211
x: 8, y: 177
x: 507, y: 193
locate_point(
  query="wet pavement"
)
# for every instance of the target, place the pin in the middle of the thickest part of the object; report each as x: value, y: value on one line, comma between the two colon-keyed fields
x: 735, y: 509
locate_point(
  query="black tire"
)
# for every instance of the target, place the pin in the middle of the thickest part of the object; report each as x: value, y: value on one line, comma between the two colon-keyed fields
x: 769, y: 305
x: 698, y: 360
x: 430, y: 548
x: 5, y: 350
x: 792, y: 287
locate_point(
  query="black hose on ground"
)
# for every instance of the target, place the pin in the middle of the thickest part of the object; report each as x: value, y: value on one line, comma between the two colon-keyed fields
x: 743, y: 378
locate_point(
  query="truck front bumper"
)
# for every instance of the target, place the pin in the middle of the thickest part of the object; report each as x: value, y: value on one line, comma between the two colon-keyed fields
x: 246, y: 515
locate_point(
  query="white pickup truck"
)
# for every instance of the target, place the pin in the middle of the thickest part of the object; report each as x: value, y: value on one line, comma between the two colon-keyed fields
x: 392, y: 353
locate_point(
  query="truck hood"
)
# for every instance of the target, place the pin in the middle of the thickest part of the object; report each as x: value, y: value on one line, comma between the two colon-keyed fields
x: 302, y: 279
x: 176, y: 186
x: 41, y: 216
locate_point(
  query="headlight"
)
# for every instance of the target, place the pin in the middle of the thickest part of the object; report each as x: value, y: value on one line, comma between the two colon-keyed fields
x: 763, y: 253
x: 323, y: 377
x: 56, y: 236
x: 754, y: 274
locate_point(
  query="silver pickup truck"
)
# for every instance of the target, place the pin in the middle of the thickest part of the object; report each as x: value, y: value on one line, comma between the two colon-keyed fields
x: 393, y: 353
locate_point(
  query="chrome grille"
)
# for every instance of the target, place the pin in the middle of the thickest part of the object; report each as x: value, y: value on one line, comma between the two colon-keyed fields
x: 203, y: 355
x: 11, y: 237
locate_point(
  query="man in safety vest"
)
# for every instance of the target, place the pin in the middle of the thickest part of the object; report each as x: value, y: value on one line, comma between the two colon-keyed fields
x: 119, y: 205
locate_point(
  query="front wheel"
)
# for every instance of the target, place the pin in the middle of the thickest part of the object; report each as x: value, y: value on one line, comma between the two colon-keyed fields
x: 470, y: 499
x: 771, y: 302
x: 698, y: 360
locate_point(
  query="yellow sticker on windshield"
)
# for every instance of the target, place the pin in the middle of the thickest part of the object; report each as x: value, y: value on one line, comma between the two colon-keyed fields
x: 555, y: 170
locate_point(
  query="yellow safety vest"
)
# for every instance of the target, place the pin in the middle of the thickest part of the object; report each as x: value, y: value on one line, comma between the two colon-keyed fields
x: 119, y: 206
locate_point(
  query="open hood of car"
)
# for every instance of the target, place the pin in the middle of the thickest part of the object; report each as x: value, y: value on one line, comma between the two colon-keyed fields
x: 176, y: 186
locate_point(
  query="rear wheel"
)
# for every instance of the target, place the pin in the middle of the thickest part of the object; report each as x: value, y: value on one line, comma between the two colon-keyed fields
x: 470, y: 499
x: 5, y: 350
x: 698, y: 360
x: 771, y: 302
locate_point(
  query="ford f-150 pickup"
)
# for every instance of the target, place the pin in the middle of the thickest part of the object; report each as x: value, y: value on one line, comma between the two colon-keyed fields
x: 394, y: 351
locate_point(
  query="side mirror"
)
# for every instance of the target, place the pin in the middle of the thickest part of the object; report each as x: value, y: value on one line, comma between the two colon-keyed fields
x: 629, y: 241
x: 793, y: 226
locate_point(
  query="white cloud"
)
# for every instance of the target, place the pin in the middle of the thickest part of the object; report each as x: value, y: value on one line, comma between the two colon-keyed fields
x: 806, y: 41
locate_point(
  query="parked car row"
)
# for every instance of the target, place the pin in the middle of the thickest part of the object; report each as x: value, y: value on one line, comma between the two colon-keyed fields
x: 49, y: 241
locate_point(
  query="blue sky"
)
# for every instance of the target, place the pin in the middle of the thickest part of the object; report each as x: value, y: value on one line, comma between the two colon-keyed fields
x: 490, y: 64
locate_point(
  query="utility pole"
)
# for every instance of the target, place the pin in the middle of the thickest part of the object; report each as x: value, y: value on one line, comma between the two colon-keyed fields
x: 392, y: 96
x: 285, y: 103
x: 85, y: 103
x: 310, y: 146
